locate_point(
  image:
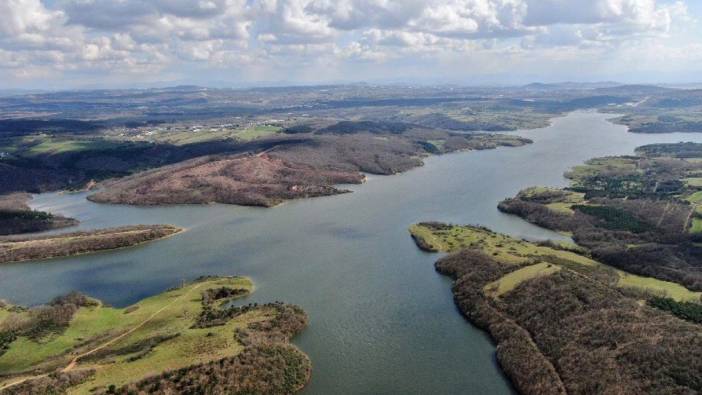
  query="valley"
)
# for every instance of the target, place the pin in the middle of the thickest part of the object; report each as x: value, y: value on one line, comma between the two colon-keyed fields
x: 305, y: 249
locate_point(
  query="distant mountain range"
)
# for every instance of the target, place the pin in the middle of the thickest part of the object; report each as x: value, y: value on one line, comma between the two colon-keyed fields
x: 602, y: 87
x: 16, y: 92
x: 570, y: 85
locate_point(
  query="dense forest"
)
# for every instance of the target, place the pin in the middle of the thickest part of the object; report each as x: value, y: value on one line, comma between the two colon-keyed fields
x: 16, y: 249
x: 259, y: 369
x: 245, y: 351
x: 16, y: 217
x: 563, y: 323
x: 638, y: 213
x: 289, y: 171
x: 267, y: 365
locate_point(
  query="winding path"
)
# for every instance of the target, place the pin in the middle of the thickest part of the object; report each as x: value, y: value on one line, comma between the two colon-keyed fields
x: 74, y: 361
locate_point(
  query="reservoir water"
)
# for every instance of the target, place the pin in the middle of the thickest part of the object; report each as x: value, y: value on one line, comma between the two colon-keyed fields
x: 381, y: 319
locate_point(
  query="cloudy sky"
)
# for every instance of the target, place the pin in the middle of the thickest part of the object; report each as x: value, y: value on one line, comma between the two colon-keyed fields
x: 112, y: 43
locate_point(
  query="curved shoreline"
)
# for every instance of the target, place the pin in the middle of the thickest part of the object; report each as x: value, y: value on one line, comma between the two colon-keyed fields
x: 240, y: 244
x: 269, y: 179
x: 47, y: 251
x: 549, y: 309
x: 172, y: 321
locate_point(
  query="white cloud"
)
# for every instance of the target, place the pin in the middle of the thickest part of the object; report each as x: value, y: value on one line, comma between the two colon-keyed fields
x: 289, y: 22
x: 20, y: 17
x: 359, y: 14
x: 137, y: 36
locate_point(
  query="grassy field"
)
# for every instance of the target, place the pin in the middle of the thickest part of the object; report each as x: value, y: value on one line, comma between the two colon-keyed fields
x: 561, y: 207
x: 693, y: 182
x: 658, y: 287
x: 558, y: 200
x: 535, y: 192
x: 695, y: 198
x: 44, y: 145
x: 257, y: 132
x: 125, y: 345
x: 643, y: 200
x: 501, y: 247
x: 696, y: 226
x: 51, y: 145
x: 175, y: 311
x: 505, y: 249
x: 191, y: 136
x: 190, y: 346
x: 438, y: 144
x: 510, y: 281
x: 602, y: 165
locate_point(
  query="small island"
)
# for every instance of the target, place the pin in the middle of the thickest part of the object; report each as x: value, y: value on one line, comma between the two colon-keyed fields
x: 17, y: 249
x: 189, y: 339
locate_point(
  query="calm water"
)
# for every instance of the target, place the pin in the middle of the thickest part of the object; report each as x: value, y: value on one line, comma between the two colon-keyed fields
x: 382, y: 321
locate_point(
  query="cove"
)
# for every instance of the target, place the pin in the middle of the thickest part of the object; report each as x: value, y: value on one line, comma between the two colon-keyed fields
x: 382, y: 320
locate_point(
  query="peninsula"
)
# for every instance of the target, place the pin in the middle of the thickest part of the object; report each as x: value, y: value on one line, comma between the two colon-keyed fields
x: 191, y: 338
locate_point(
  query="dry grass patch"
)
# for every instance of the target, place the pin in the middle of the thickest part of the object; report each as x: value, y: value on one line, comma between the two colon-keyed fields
x: 511, y: 280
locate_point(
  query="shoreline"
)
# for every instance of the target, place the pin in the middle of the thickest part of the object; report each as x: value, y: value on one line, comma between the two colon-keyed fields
x: 252, y: 192
x: 263, y: 334
x: 178, y: 230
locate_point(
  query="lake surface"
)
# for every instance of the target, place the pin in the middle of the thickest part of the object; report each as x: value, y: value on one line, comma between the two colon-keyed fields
x: 381, y: 319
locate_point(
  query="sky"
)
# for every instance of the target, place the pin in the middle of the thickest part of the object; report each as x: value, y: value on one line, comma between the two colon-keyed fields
x: 63, y: 44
